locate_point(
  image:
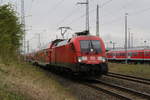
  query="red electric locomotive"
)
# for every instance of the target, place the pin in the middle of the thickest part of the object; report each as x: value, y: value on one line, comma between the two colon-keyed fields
x: 80, y: 54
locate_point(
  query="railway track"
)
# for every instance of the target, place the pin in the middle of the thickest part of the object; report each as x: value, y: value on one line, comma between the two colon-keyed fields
x: 118, y: 91
x: 129, y: 78
x: 122, y: 97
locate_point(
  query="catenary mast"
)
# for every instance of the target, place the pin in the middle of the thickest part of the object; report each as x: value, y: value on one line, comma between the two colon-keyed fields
x: 23, y: 23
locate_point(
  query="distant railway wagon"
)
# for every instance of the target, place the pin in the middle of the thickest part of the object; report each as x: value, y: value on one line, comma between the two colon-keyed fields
x: 80, y: 54
x: 132, y: 56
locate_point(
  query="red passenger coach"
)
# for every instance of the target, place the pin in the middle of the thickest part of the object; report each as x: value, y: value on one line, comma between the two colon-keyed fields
x: 80, y: 54
x: 134, y: 55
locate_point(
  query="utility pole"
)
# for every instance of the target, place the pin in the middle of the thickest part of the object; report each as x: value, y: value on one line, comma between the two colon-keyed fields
x: 132, y: 40
x: 28, y: 46
x: 39, y: 39
x: 23, y: 23
x: 16, y: 6
x: 87, y: 14
x: 1, y: 1
x: 97, y: 21
x: 129, y: 38
x: 126, y: 32
x: 114, y: 45
x: 63, y: 30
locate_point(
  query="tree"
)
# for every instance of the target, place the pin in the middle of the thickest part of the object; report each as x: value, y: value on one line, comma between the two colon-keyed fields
x: 10, y: 33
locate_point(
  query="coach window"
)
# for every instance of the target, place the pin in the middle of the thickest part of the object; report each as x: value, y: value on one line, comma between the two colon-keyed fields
x: 109, y: 54
x: 130, y: 54
x: 46, y: 52
x: 146, y: 53
x: 140, y: 53
x: 114, y: 54
x: 117, y: 54
x: 135, y: 54
x: 122, y: 54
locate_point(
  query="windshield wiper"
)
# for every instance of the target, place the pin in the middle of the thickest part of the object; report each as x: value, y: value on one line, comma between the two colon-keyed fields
x: 92, y: 47
x: 89, y: 46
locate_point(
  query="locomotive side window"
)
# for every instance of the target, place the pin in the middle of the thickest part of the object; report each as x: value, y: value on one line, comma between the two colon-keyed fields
x: 72, y: 46
x: 62, y: 43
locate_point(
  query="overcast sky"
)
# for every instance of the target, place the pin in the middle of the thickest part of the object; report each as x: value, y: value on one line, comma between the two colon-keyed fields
x: 48, y: 15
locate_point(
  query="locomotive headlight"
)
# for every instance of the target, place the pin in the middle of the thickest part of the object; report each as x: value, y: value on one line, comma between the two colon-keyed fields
x: 102, y: 59
x: 83, y: 58
x: 79, y: 59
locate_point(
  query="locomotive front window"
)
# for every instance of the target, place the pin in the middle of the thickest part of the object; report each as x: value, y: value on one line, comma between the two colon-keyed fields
x: 85, y: 45
x: 88, y: 45
x: 96, y: 45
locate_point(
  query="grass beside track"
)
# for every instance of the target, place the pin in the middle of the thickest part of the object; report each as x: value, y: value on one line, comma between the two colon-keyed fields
x: 26, y: 82
x: 138, y: 70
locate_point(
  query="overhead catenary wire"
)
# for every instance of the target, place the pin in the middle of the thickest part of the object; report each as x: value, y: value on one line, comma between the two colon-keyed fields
x: 117, y: 18
x: 114, y: 20
x: 129, y: 14
x: 140, y: 11
x: 56, y: 6
x: 91, y: 11
x: 77, y: 19
x: 105, y: 3
x: 30, y: 8
x: 72, y: 12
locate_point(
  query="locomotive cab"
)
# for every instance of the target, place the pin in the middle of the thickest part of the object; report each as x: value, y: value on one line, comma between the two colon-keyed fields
x: 90, y: 55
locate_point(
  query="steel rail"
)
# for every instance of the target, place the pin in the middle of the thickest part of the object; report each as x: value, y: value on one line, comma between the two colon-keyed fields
x: 141, y: 94
x: 140, y: 78
x: 122, y: 97
x: 129, y: 78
